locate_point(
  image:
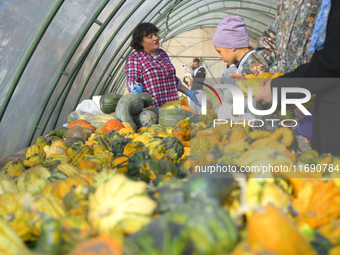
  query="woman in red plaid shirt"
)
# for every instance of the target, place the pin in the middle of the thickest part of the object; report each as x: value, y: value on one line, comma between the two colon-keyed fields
x: 149, y: 69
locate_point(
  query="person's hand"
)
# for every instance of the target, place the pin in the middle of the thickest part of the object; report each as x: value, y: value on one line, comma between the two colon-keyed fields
x: 192, y: 95
x: 266, y: 93
x: 137, y: 89
x: 298, y: 116
x: 236, y: 75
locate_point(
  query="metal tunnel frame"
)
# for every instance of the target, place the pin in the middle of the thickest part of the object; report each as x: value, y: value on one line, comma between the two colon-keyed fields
x: 171, y: 19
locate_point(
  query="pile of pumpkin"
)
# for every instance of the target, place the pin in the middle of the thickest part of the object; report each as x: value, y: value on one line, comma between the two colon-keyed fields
x: 125, y: 182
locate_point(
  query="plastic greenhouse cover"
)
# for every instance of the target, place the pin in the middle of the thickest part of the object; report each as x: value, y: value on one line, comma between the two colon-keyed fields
x: 94, y: 66
x: 27, y: 99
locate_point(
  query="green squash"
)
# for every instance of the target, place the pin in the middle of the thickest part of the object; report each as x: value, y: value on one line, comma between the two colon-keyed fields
x: 136, y: 162
x: 145, y: 119
x: 161, y: 236
x: 147, y: 99
x: 57, y: 175
x: 108, y: 102
x: 208, y: 225
x: 153, y: 109
x: 104, y: 141
x: 74, y: 231
x: 118, y: 145
x: 175, y: 104
x: 202, y: 184
x: 101, y: 119
x: 128, y: 106
x: 112, y: 136
x: 168, y: 195
x: 152, y: 168
x: 170, y: 148
x: 50, y: 238
x: 60, y: 132
x: 170, y: 118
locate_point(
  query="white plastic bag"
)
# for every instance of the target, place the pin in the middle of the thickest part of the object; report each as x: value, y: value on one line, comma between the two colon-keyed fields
x: 89, y: 106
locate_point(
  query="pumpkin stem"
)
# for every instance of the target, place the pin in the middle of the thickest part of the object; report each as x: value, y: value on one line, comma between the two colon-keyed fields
x: 242, y: 182
x: 244, y: 209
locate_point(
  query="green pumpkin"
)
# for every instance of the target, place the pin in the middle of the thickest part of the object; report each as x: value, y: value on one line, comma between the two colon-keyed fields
x: 128, y: 106
x: 170, y: 118
x: 184, y: 167
x: 108, y: 102
x: 201, y: 184
x: 118, y: 145
x: 147, y: 99
x: 112, y: 135
x: 209, y: 226
x: 175, y: 104
x: 145, y: 119
x: 168, y: 195
x: 136, y: 162
x: 55, y: 176
x: 170, y: 148
x: 104, y: 141
x: 50, y: 238
x: 161, y: 236
x: 153, y: 109
x: 74, y: 231
x: 152, y: 168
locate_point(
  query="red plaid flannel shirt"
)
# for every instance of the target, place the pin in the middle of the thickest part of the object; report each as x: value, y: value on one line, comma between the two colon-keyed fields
x: 158, y: 76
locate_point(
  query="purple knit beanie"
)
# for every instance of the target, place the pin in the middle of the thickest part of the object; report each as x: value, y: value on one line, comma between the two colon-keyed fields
x: 306, y: 125
x: 231, y: 33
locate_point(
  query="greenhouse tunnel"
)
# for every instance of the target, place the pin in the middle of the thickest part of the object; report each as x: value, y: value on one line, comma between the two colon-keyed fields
x: 55, y: 54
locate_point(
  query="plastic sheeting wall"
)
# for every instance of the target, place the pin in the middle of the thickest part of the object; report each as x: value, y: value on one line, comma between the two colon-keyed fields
x: 54, y: 54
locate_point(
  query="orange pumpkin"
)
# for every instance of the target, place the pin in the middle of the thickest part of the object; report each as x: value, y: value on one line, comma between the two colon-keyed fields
x: 182, y: 130
x: 81, y: 123
x: 114, y: 125
x: 317, y: 203
x: 183, y: 103
x: 103, y: 244
x: 273, y: 232
x: 61, y: 188
x: 186, y: 143
x: 79, y: 212
x: 88, y: 164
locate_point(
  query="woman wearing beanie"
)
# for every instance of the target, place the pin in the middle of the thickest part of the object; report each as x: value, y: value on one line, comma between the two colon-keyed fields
x: 232, y: 45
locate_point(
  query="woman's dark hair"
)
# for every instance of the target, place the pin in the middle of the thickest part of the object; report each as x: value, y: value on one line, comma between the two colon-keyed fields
x: 143, y: 29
